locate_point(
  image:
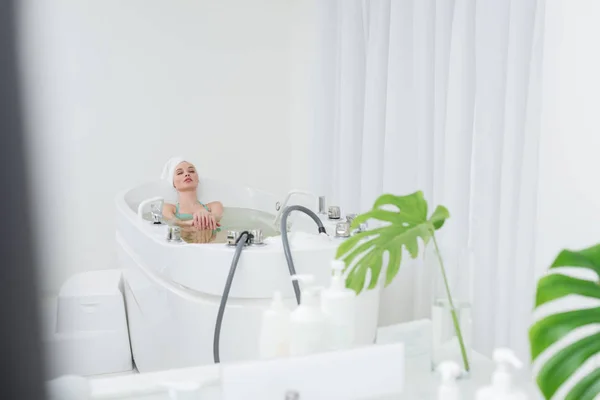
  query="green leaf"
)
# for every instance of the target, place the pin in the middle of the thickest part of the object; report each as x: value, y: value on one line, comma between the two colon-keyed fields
x: 587, y: 388
x: 545, y: 334
x: 356, y: 278
x: 410, y: 208
x: 393, y: 265
x: 550, y: 330
x: 560, y: 367
x: 439, y: 216
x: 403, y: 227
x: 586, y: 258
x: 555, y: 286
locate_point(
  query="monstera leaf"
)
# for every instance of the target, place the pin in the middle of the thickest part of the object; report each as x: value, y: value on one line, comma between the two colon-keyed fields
x: 565, y: 342
x: 403, y: 227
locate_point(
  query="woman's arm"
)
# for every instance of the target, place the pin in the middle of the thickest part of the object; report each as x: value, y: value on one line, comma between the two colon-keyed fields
x: 216, y: 209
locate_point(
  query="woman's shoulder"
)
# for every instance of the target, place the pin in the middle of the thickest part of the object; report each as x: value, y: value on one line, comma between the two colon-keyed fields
x: 169, y: 206
x: 214, y: 203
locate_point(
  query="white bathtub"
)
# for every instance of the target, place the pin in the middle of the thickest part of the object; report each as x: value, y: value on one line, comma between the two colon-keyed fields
x: 173, y: 290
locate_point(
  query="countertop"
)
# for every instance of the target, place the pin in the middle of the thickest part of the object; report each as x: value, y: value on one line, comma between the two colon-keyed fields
x: 420, y: 382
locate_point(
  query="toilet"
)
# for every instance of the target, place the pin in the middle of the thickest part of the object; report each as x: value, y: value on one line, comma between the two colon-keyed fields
x: 91, y: 336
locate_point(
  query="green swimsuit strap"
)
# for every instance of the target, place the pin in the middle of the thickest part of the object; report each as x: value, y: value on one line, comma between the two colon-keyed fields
x: 187, y: 217
x: 183, y: 217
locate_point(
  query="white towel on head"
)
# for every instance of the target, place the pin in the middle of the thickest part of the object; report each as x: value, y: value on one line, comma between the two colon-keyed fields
x: 168, y: 172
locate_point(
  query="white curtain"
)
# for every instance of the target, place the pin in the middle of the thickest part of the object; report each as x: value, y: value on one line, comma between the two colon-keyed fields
x: 441, y: 96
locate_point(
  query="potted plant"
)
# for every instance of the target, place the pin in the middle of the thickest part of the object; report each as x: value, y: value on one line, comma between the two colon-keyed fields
x: 565, y: 337
x: 404, y: 220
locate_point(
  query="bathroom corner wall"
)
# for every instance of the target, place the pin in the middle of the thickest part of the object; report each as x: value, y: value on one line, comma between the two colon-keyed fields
x: 112, y: 89
x: 302, y: 61
x: 568, y: 192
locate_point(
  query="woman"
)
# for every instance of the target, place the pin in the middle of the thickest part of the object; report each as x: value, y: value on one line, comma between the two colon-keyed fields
x: 189, y: 211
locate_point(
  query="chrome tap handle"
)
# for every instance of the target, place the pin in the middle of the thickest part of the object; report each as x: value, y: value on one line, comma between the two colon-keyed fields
x: 174, y: 233
x: 334, y: 212
x: 342, y: 229
x: 362, y: 227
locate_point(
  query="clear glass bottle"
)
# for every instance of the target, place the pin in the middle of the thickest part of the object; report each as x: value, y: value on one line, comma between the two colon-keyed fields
x: 451, y: 310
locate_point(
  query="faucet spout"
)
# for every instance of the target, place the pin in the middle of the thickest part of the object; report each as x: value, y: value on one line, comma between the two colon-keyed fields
x: 286, y: 201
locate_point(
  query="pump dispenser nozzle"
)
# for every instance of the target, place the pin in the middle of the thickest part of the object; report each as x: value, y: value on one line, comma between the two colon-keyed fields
x: 502, y: 386
x: 504, y: 359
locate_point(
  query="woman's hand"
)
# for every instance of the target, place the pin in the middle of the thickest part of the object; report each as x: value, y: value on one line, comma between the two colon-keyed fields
x: 204, y: 220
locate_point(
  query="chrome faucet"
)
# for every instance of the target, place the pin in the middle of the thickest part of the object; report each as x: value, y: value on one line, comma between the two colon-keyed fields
x: 255, y: 237
x: 362, y: 227
x: 173, y: 233
x: 151, y: 201
x: 350, y: 218
x: 342, y: 230
x: 287, y: 199
x: 322, y: 205
x: 156, y: 211
x: 334, y: 212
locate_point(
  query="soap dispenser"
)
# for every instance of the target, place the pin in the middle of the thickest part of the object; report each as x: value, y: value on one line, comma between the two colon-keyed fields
x: 307, y: 321
x: 275, y: 330
x: 502, y: 381
x: 448, y: 389
x: 339, y: 305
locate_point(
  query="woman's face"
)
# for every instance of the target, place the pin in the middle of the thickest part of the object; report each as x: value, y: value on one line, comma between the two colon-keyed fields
x: 186, y: 177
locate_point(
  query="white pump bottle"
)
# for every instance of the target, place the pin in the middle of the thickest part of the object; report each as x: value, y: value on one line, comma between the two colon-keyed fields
x: 275, y: 330
x: 339, y: 305
x: 502, y: 387
x: 308, y: 323
x: 448, y: 389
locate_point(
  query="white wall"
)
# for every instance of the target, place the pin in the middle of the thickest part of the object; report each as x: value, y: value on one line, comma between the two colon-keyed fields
x: 303, y: 58
x: 569, y: 193
x: 114, y: 88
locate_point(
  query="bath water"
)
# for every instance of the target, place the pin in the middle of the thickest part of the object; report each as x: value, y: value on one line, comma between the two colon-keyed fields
x: 245, y: 219
x: 234, y: 219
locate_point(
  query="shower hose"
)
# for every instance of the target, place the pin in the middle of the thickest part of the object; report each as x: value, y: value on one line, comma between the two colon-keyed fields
x: 241, y: 242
